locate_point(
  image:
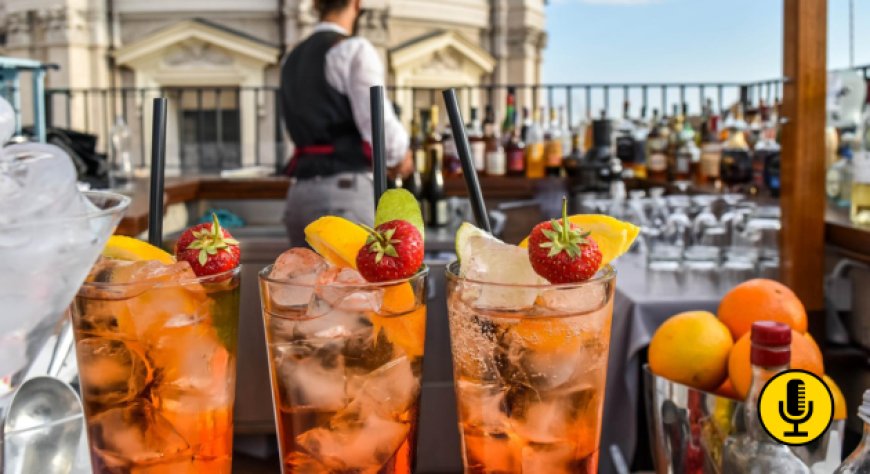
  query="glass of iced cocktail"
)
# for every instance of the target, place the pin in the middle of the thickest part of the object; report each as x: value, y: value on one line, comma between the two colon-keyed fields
x: 156, y: 349
x: 345, y: 331
x: 530, y: 353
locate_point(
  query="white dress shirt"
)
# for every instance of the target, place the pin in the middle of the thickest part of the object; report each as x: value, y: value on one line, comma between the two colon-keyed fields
x: 352, y: 67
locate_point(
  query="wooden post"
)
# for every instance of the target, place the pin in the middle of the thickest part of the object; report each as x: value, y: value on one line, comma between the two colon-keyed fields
x: 803, y: 149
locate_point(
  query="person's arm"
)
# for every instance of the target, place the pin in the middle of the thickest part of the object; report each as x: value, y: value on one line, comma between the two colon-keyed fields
x: 352, y: 68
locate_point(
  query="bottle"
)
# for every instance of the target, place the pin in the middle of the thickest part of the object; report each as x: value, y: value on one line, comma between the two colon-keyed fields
x: 711, y: 151
x: 765, y: 160
x: 625, y: 146
x: 860, y: 206
x: 515, y: 154
x: 859, y: 461
x: 574, y: 160
x: 418, y: 138
x: 657, y: 149
x: 527, y: 124
x: 838, y: 179
x: 735, y: 167
x: 535, y: 166
x: 641, y: 130
x: 510, y: 113
x: 553, y: 146
x: 565, y: 131
x: 452, y: 164
x: 433, y: 142
x: 121, y: 168
x: 435, y: 205
x: 495, y: 159
x: 476, y: 142
x: 752, y: 450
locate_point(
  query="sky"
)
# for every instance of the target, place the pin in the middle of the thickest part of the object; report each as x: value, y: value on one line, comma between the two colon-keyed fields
x: 682, y: 40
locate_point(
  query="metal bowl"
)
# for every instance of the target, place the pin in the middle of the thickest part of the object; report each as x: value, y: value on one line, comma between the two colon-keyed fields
x: 688, y: 428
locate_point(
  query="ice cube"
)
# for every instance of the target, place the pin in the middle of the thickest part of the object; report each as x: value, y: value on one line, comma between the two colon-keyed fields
x: 311, y: 376
x: 576, y: 300
x: 553, y: 458
x: 390, y: 390
x: 193, y: 365
x: 556, y: 416
x: 325, y: 321
x: 482, y: 407
x: 366, y: 350
x: 135, y: 434
x: 364, y: 445
x: 162, y: 298
x: 507, y: 267
x: 111, y: 371
x: 299, y: 268
x: 37, y: 181
x: 493, y: 453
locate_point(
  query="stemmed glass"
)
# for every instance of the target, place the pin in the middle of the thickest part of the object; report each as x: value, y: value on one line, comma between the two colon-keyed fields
x: 43, y: 262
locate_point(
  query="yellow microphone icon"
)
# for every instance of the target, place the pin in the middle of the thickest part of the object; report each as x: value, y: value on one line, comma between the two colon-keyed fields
x: 795, y: 407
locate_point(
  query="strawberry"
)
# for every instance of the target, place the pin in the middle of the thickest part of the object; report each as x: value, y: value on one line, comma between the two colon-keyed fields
x: 561, y: 252
x: 393, y: 250
x: 208, y: 248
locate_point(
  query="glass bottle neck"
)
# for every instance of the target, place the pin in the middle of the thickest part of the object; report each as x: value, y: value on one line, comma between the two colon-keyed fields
x: 760, y: 376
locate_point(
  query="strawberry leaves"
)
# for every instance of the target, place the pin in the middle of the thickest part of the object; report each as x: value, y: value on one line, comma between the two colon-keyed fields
x: 210, y: 241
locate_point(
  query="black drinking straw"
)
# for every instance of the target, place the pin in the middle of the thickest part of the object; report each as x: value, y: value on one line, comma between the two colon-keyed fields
x: 376, y: 94
x: 462, y: 147
x: 158, y: 165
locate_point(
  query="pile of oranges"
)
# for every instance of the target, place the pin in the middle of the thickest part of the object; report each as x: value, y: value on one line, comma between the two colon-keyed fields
x: 711, y: 352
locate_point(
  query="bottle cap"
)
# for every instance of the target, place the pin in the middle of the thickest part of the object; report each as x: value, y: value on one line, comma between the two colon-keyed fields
x: 771, y: 344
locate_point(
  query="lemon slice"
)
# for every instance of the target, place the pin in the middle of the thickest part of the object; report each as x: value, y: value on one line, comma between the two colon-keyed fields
x: 122, y: 247
x: 336, y: 239
x: 613, y: 236
x: 464, y: 235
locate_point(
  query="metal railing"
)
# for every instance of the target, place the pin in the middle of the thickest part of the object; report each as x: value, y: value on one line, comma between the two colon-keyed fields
x: 216, y: 128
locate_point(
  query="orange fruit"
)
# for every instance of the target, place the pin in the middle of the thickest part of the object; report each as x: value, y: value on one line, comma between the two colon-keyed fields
x: 761, y: 300
x: 840, y: 412
x: 805, y: 354
x: 727, y: 390
x: 692, y: 349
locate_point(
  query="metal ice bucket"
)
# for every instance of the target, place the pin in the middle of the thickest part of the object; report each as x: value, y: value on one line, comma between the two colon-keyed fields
x: 688, y: 428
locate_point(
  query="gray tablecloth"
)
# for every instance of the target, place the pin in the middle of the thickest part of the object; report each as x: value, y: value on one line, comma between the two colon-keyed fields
x: 643, y: 302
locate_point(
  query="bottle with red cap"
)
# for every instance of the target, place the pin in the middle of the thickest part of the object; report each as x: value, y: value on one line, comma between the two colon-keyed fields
x: 749, y: 449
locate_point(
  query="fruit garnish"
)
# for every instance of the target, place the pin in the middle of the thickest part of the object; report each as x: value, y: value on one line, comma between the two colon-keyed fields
x: 392, y: 251
x: 562, y: 252
x: 121, y: 247
x: 336, y: 239
x: 208, y: 248
x: 613, y: 236
x: 399, y: 205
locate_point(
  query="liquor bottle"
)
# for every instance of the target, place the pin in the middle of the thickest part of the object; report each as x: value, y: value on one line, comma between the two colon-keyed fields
x: 495, y: 159
x: 553, y: 146
x: 753, y: 450
x: 515, y: 154
x: 121, y: 162
x: 765, y: 159
x: 510, y: 113
x: 418, y: 139
x: 452, y: 164
x: 625, y: 146
x: 735, y: 167
x: 711, y: 150
x: 564, y: 131
x: 641, y: 130
x: 476, y: 142
x: 573, y: 162
x: 860, y: 206
x: 433, y: 142
x: 535, y: 166
x: 527, y: 124
x: 859, y: 461
x: 838, y: 179
x: 435, y: 205
x: 687, y: 156
x: 657, y: 149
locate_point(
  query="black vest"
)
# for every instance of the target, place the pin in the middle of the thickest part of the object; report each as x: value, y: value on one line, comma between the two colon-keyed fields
x: 317, y: 115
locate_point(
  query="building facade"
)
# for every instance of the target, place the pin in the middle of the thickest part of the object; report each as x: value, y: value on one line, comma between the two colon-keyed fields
x: 218, y: 62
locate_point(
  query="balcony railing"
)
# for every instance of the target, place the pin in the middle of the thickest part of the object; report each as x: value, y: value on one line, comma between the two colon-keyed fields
x: 216, y: 128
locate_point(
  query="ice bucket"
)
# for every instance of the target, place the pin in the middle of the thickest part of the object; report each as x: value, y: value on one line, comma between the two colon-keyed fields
x: 688, y: 428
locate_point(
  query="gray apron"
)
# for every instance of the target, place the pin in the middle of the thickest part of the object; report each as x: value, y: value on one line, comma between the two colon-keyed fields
x: 348, y: 195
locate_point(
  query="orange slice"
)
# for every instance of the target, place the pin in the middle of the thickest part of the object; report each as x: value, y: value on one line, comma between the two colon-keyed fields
x: 127, y: 248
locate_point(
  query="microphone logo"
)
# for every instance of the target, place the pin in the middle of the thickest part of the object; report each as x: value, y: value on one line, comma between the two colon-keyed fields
x: 795, y: 407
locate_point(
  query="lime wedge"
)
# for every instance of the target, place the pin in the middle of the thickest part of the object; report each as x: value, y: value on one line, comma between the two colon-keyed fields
x: 399, y: 204
x: 463, y: 237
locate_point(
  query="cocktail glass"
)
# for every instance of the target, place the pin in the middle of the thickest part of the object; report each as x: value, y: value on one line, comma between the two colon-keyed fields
x: 156, y: 350
x: 43, y: 261
x: 530, y: 364
x: 346, y: 361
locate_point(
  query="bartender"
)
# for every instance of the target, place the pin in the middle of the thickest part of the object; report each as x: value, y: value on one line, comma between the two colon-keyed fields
x: 325, y: 85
